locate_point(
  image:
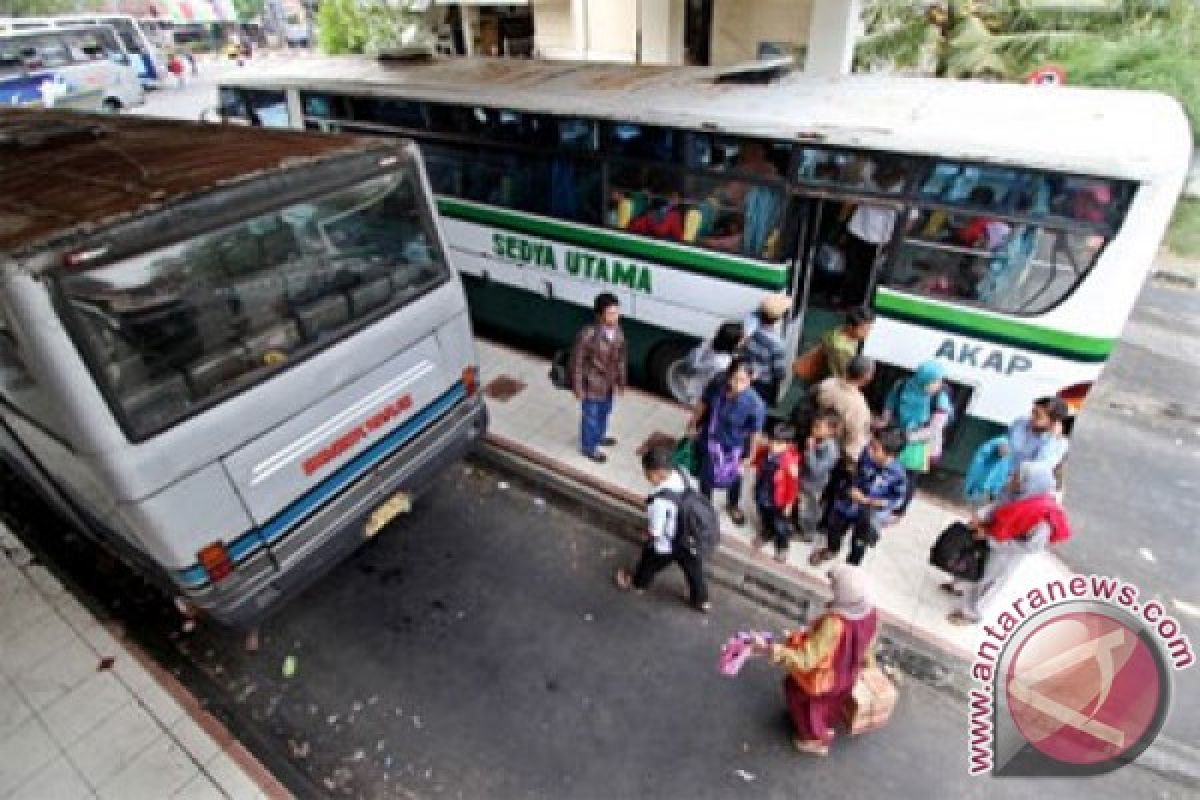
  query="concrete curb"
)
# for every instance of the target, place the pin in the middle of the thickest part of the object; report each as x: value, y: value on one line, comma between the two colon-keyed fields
x: 734, y: 566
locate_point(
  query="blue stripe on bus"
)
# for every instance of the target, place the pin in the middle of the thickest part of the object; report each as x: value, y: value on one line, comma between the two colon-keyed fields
x: 253, y: 540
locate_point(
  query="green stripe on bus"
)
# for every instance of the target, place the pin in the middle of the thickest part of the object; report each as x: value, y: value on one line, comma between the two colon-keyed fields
x: 704, y: 262
x: 1077, y: 347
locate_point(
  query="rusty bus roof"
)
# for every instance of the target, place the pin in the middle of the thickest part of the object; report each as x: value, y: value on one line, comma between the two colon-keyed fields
x: 64, y: 173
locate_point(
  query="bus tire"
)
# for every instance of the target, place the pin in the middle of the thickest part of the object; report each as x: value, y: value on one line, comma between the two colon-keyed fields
x: 662, y: 363
x: 111, y: 105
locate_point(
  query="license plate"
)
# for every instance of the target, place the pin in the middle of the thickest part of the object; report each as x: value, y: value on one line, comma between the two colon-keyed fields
x: 394, y: 506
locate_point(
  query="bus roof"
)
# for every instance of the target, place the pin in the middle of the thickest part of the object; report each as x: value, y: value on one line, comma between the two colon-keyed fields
x: 1137, y: 135
x: 63, y: 173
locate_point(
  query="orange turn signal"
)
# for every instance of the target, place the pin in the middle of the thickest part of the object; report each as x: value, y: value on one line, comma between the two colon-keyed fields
x: 216, y: 561
x: 470, y: 380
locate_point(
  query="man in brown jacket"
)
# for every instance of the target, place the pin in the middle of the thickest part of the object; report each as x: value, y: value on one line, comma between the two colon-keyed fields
x: 597, y: 372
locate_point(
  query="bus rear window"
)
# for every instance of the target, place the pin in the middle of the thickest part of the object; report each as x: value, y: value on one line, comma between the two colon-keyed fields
x: 177, y: 329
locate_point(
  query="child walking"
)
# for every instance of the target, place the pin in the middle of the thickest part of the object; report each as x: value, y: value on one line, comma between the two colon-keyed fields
x: 818, y: 459
x: 777, y: 487
x: 870, y: 501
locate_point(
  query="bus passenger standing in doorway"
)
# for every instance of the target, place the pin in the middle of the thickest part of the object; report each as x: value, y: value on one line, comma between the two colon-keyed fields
x: 869, y: 230
x: 598, y: 371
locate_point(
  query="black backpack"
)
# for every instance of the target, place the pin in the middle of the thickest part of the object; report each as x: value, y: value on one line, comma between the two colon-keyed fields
x: 697, y: 526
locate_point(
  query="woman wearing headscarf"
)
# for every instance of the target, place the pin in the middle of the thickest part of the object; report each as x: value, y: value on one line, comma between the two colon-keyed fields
x: 1021, y: 527
x: 919, y: 406
x: 824, y: 661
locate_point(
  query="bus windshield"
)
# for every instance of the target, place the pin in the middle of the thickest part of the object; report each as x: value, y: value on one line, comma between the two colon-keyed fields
x: 174, y: 330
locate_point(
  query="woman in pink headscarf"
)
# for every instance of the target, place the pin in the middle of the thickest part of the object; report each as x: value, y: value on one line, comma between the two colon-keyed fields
x: 824, y: 661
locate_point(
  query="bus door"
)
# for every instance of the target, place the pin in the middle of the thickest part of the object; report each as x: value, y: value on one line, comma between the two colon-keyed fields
x: 836, y: 261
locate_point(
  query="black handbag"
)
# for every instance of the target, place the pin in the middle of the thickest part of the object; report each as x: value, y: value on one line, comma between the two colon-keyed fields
x: 959, y: 553
x: 560, y: 369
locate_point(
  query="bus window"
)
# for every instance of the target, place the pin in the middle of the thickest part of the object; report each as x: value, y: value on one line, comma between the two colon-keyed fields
x: 173, y: 329
x: 1006, y: 190
x: 447, y: 167
x: 44, y: 52
x: 390, y: 111
x: 644, y: 142
x: 519, y: 128
x: 732, y: 214
x: 510, y: 179
x: 759, y: 158
x: 259, y: 107
x: 11, y: 61
x: 856, y: 171
x: 84, y: 46
x: 577, y: 135
x: 1003, y: 265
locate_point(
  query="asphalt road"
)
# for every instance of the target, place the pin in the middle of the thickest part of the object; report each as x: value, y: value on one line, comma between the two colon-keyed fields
x: 1133, y: 477
x: 477, y: 649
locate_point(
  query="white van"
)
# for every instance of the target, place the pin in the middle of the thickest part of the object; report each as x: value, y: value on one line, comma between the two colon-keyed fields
x: 85, y: 69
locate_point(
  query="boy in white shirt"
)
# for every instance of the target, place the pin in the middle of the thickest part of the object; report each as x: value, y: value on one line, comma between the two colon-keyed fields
x: 662, y: 515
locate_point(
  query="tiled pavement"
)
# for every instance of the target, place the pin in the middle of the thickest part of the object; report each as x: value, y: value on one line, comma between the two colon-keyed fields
x: 84, y: 716
x: 530, y: 416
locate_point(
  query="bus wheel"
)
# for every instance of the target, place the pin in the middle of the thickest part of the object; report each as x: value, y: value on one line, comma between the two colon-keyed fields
x: 112, y: 105
x: 665, y: 368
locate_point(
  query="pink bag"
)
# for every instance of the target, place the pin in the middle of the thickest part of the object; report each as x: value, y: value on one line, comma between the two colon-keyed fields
x: 736, y: 652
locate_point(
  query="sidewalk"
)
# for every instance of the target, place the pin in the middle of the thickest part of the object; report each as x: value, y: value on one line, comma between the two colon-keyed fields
x: 532, y: 419
x: 84, y: 716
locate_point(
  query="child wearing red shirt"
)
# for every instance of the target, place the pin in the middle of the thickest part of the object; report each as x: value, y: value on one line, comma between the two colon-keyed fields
x: 777, y: 487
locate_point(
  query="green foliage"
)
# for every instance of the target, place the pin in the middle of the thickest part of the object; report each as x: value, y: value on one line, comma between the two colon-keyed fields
x: 1142, y: 44
x: 46, y: 8
x: 369, y: 26
x: 249, y: 10
x: 1183, y: 237
x: 1159, y: 53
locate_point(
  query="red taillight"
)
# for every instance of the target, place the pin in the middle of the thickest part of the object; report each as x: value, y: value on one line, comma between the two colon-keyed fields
x: 470, y: 380
x: 216, y: 561
x: 1074, y: 396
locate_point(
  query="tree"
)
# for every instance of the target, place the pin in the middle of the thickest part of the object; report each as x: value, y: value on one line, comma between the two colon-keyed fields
x: 372, y: 26
x: 249, y: 10
x: 954, y: 38
x: 47, y: 8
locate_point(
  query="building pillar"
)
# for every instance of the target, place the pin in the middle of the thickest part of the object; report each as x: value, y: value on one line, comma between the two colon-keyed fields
x: 579, y: 27
x: 832, y: 31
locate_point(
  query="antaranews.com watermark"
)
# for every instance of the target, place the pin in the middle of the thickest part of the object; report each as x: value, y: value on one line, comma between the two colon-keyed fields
x: 1073, y: 678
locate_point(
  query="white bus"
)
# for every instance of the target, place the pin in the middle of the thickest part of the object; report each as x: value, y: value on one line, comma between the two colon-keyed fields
x: 84, y: 68
x: 232, y: 356
x: 142, y: 48
x: 1006, y: 229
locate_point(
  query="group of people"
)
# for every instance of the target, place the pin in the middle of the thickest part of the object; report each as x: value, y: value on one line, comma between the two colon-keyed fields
x: 833, y: 468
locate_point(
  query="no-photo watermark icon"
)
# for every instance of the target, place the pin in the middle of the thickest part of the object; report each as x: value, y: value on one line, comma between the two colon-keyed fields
x: 1073, y: 679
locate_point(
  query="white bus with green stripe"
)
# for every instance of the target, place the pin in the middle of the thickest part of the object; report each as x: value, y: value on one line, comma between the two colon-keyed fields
x: 1023, y: 219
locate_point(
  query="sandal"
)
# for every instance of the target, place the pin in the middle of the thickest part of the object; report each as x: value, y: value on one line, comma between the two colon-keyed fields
x: 950, y: 587
x: 960, y: 619
x: 736, y: 514
x: 623, y: 579
x: 819, y: 557
x: 813, y: 747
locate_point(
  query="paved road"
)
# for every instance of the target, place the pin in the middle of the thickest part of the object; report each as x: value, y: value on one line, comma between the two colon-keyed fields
x: 477, y: 649
x: 1133, y: 482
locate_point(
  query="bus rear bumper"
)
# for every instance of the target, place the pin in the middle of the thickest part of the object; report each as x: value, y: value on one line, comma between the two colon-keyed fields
x: 267, y: 580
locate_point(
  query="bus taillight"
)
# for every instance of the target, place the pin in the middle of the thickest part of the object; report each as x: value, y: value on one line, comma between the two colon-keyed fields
x: 470, y: 380
x: 1074, y: 396
x: 216, y: 561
